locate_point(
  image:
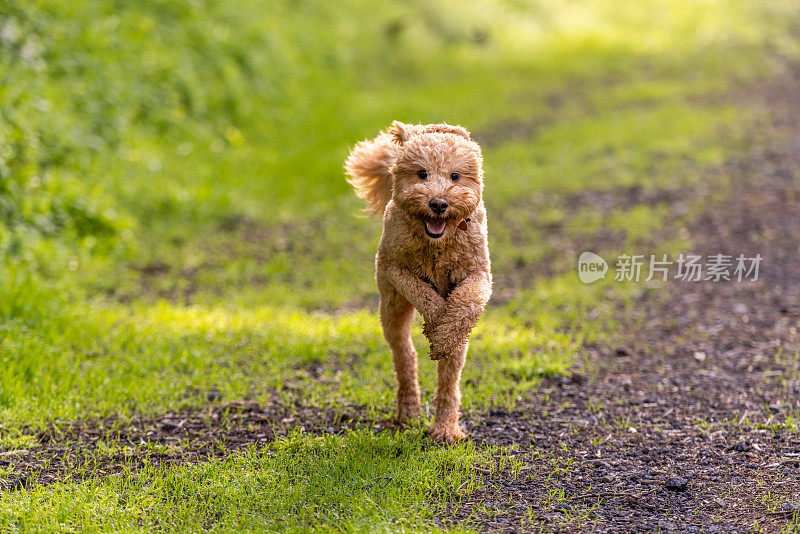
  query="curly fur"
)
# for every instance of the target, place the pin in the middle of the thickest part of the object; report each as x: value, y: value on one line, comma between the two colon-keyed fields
x: 447, y: 278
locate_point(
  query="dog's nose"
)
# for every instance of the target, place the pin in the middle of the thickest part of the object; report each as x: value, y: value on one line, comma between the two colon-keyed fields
x: 438, y: 205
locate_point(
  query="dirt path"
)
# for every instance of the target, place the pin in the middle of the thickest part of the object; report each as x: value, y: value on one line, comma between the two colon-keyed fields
x: 692, y: 424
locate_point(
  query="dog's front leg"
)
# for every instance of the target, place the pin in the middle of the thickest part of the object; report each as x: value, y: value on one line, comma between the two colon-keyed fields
x: 419, y: 293
x: 449, y: 338
x: 449, y: 331
x: 400, y: 290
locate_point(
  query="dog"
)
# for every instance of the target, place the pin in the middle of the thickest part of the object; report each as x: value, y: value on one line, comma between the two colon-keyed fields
x: 433, y: 256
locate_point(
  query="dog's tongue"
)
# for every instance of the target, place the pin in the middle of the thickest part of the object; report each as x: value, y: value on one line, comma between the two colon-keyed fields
x: 435, y: 227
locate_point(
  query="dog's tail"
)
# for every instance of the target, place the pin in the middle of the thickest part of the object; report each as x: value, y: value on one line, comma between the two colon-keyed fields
x: 367, y: 169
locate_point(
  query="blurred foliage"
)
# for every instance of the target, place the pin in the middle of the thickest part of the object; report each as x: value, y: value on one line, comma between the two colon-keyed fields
x: 46, y: 146
x: 152, y: 107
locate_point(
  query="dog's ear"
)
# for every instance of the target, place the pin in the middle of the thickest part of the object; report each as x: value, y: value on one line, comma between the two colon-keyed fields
x: 400, y: 132
x: 447, y: 128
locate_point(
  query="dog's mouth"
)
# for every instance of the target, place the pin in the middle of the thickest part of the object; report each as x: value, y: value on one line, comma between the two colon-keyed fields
x: 435, y: 227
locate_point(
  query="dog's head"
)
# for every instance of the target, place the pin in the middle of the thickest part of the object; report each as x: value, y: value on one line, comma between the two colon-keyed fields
x: 438, y: 176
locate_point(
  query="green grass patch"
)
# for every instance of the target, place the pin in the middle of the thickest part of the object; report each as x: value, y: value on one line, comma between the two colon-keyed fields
x: 126, y: 359
x: 359, y: 482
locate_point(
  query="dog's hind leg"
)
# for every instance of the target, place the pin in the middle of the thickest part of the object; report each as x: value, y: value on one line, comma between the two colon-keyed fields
x: 397, y: 315
x: 448, y: 398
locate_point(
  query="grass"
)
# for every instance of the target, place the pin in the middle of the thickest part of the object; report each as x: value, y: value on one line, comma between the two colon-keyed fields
x: 174, y: 219
x: 356, y: 482
x: 93, y: 365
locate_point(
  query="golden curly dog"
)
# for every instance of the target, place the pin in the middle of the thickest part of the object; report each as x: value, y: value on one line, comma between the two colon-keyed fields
x: 427, y: 181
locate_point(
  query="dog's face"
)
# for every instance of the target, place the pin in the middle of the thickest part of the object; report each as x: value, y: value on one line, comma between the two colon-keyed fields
x: 438, y: 177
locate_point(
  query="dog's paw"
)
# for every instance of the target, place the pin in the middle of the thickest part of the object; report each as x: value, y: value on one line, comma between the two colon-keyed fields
x: 443, y: 351
x: 436, y: 355
x: 438, y: 337
x: 450, y: 433
x: 428, y: 327
x: 438, y: 352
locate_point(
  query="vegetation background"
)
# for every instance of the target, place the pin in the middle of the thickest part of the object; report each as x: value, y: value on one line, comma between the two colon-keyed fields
x: 174, y: 221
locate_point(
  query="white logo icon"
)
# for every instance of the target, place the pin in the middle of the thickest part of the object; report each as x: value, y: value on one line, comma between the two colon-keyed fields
x: 591, y: 267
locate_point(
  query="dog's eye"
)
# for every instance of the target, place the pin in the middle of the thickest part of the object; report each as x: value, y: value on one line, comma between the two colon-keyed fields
x: 422, y: 174
x: 455, y: 176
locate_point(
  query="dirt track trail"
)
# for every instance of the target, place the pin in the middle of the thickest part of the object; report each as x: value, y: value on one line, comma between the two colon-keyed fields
x: 691, y: 424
